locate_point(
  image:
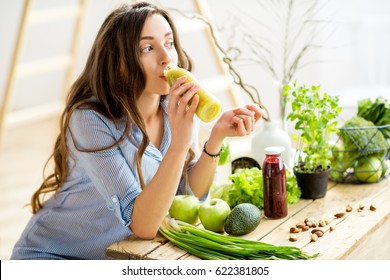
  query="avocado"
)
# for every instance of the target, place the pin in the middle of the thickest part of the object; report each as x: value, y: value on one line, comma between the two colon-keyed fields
x: 243, y: 219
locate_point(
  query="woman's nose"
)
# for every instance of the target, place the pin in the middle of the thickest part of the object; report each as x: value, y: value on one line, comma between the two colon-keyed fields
x: 166, y: 57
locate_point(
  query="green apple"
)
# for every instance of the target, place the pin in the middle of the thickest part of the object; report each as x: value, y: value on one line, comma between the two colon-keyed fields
x: 213, y: 214
x: 368, y: 170
x: 219, y: 191
x: 185, y: 208
x: 384, y: 167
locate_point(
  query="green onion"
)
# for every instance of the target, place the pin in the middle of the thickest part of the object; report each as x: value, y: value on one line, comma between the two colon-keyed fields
x: 209, y: 245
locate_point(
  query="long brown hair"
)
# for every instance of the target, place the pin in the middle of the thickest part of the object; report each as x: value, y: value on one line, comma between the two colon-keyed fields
x: 112, y: 75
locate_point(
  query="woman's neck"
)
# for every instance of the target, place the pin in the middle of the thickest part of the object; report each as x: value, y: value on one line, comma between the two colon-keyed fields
x: 148, y: 105
x: 151, y: 112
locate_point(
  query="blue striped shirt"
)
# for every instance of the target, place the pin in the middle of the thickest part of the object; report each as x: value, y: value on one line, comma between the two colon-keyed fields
x: 93, y: 208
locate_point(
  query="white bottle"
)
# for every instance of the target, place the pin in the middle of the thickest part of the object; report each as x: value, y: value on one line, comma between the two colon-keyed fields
x: 271, y: 135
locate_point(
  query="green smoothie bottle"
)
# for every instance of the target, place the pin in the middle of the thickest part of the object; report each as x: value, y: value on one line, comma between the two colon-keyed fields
x: 209, y: 106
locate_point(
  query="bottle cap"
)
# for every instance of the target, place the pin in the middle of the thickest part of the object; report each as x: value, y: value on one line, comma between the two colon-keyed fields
x: 274, y: 150
x: 168, y: 67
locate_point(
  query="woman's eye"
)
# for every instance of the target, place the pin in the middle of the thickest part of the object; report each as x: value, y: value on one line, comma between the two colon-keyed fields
x: 147, y: 49
x: 171, y: 44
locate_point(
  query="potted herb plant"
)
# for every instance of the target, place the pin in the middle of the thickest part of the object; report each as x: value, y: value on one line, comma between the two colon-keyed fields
x: 315, y: 116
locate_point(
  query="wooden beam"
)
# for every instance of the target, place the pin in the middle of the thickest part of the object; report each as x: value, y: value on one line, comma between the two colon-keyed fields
x: 5, y: 104
x: 75, y: 46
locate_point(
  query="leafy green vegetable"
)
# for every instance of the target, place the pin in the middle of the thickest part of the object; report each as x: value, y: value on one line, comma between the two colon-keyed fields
x: 224, y: 157
x: 247, y: 187
x: 315, y: 116
x: 214, y: 246
x: 292, y: 189
x: 359, y: 137
x: 378, y: 112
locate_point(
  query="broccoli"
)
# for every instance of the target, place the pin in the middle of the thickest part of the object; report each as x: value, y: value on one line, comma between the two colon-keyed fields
x: 359, y: 138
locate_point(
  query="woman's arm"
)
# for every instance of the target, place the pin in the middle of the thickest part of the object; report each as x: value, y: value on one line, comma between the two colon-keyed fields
x: 152, y: 204
x: 235, y: 122
x: 114, y: 178
x: 154, y: 201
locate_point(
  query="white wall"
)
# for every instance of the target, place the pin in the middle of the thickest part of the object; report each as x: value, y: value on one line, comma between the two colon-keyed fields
x: 357, y: 57
x: 355, y: 60
x: 43, y: 40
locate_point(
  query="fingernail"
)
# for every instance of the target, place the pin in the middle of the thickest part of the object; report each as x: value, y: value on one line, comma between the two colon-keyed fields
x: 262, y: 111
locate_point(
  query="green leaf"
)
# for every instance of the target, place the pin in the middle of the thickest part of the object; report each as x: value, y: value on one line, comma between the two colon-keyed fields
x: 314, y: 114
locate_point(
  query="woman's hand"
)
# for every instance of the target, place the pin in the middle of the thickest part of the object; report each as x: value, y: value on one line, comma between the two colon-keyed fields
x: 181, y: 112
x: 234, y: 122
x: 237, y: 121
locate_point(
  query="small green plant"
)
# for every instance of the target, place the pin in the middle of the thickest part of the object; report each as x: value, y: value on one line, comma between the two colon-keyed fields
x: 315, y: 116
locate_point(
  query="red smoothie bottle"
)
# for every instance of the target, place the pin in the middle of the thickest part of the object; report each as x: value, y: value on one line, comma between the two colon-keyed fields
x: 274, y: 183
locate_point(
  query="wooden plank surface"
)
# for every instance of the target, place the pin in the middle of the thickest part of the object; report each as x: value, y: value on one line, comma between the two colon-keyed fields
x: 351, y: 230
x: 356, y: 227
x: 134, y: 247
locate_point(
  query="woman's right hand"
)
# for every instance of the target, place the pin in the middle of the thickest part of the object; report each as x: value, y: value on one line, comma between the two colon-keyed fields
x: 181, y: 112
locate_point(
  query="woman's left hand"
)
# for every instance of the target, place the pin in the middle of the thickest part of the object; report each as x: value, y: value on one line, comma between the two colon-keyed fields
x: 238, y: 121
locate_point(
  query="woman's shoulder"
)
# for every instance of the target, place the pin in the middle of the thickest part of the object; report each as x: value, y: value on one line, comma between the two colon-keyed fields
x: 88, y: 116
x: 89, y: 119
x: 93, y: 130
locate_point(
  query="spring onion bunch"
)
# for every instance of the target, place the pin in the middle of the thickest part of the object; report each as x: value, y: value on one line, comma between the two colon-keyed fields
x: 209, y: 245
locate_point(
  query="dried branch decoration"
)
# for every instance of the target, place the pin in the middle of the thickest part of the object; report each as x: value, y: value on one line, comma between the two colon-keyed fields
x: 288, y: 34
x: 252, y: 91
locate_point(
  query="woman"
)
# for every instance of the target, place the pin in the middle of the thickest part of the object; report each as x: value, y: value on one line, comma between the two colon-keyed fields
x: 127, y: 145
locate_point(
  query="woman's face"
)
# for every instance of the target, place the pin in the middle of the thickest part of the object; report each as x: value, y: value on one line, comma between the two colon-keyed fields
x: 157, y: 50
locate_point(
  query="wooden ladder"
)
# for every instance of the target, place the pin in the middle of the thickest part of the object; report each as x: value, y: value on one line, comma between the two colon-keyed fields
x: 18, y: 69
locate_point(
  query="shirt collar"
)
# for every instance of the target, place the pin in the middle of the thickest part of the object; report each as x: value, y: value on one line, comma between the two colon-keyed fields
x: 151, y: 150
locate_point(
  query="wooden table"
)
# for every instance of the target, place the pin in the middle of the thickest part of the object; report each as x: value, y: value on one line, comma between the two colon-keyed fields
x: 356, y: 235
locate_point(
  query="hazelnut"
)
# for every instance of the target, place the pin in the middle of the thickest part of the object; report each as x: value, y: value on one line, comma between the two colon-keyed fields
x: 293, y: 237
x: 313, y: 237
x: 339, y: 215
x: 294, y: 230
x: 332, y: 227
x: 305, y: 228
x: 300, y: 225
x: 318, y: 231
x: 310, y: 221
x: 372, y: 208
x: 348, y: 208
x: 321, y: 223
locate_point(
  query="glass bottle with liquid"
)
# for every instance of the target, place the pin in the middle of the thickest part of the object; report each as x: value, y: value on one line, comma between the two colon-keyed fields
x: 209, y: 106
x: 274, y: 183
